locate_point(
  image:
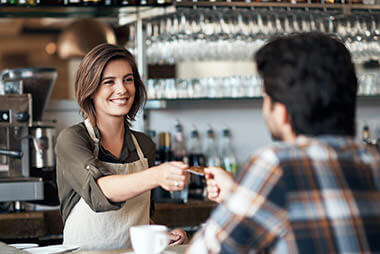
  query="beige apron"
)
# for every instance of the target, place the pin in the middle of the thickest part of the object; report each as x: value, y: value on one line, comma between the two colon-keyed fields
x: 108, y: 230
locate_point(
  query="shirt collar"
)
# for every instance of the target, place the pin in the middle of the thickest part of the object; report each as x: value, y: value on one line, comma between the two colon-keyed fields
x: 329, y: 139
x: 128, y: 145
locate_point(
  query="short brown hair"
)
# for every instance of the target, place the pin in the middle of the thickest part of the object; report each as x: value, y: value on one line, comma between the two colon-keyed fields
x: 89, y: 76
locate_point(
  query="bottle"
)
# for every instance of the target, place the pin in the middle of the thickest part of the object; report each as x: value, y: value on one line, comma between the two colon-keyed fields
x: 180, y: 154
x: 164, y: 149
x: 179, y: 147
x: 127, y: 2
x: 227, y: 153
x: 164, y: 152
x: 153, y: 136
x: 367, y: 136
x: 92, y: 2
x: 366, y: 133
x: 211, y: 151
x: 27, y: 2
x: 73, y: 2
x: 196, y: 158
x: 51, y: 2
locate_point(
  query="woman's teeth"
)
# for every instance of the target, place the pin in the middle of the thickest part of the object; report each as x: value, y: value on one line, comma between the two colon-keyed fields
x: 119, y: 101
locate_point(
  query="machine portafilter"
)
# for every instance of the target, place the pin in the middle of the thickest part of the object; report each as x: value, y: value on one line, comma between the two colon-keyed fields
x: 11, y: 154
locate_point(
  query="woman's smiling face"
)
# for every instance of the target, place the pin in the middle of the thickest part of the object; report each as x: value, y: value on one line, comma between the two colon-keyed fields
x: 116, y: 92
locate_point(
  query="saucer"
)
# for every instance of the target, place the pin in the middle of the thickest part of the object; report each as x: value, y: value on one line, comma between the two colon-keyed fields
x: 163, y: 252
x: 52, y: 249
x: 22, y: 246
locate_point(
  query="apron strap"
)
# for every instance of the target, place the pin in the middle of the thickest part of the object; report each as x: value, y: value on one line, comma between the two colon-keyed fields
x: 138, y: 149
x: 91, y: 131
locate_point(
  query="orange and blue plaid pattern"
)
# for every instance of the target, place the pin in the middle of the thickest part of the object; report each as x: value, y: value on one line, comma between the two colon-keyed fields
x: 318, y: 195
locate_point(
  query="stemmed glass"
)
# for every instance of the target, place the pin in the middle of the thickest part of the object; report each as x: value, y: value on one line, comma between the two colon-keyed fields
x: 225, y: 34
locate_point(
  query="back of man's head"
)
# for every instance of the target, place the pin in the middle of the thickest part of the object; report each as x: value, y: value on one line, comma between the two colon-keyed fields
x: 313, y: 76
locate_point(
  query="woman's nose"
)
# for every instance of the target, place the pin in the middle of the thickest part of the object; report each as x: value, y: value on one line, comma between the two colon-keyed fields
x: 121, y: 88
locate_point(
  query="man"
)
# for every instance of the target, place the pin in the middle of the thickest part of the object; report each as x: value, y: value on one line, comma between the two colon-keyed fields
x: 314, y: 191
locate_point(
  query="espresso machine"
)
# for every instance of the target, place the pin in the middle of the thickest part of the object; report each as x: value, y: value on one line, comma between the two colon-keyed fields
x: 27, y: 161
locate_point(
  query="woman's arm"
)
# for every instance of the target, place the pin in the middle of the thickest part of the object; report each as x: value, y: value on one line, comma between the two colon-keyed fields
x: 171, y: 176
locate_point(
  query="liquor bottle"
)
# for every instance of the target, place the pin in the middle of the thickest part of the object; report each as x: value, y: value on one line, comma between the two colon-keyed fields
x: 12, y: 2
x: 227, y: 153
x: 152, y: 134
x: 179, y: 147
x: 127, y: 2
x: 73, y: 2
x: 180, y: 154
x: 164, y: 149
x: 51, y: 2
x: 161, y: 195
x: 366, y: 133
x: 26, y: 2
x: 196, y: 158
x: 92, y: 2
x: 211, y: 151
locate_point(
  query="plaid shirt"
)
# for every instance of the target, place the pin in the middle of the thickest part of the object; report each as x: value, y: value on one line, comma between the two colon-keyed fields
x: 318, y: 195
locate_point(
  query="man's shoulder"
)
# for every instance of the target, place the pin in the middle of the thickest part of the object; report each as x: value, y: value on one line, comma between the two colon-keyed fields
x: 285, y: 151
x: 319, y: 148
x: 278, y: 149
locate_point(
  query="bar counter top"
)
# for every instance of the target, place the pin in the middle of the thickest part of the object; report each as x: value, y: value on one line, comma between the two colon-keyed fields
x: 180, y: 249
x: 40, y: 224
x: 169, y: 250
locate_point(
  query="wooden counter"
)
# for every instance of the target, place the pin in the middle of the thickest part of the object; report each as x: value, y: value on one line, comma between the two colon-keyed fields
x: 30, y: 224
x: 37, y: 224
x: 180, y: 249
x: 192, y: 213
x: 174, y: 249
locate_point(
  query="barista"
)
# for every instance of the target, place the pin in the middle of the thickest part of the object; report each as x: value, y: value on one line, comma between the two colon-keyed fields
x: 105, y: 170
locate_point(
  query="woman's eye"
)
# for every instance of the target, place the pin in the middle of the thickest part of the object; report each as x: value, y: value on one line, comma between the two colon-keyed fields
x: 108, y: 82
x: 129, y: 80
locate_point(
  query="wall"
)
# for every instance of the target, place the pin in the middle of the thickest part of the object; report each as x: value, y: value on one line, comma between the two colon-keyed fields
x: 242, y: 117
x: 20, y: 50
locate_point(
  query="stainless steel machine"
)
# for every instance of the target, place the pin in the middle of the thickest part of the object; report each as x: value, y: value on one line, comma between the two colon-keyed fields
x: 27, y: 161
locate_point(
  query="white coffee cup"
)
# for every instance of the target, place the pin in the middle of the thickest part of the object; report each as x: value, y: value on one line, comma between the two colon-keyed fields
x: 149, y: 239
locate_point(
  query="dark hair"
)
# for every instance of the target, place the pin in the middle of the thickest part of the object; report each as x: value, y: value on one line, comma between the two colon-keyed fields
x: 90, y: 73
x: 313, y: 76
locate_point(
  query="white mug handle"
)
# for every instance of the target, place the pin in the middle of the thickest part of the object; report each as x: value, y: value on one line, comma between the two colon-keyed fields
x: 162, y: 242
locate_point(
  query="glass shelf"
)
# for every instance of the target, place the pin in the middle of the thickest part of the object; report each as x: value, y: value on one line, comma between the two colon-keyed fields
x: 347, y: 6
x: 189, y: 102
x: 173, y: 103
x: 113, y: 11
x: 69, y: 11
x: 61, y: 12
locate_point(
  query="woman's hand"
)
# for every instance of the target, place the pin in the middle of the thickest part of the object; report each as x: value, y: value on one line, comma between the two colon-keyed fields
x: 177, y: 236
x: 172, y: 176
x: 219, y: 183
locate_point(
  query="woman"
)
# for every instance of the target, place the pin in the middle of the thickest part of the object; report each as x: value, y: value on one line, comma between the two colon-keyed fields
x: 105, y: 171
